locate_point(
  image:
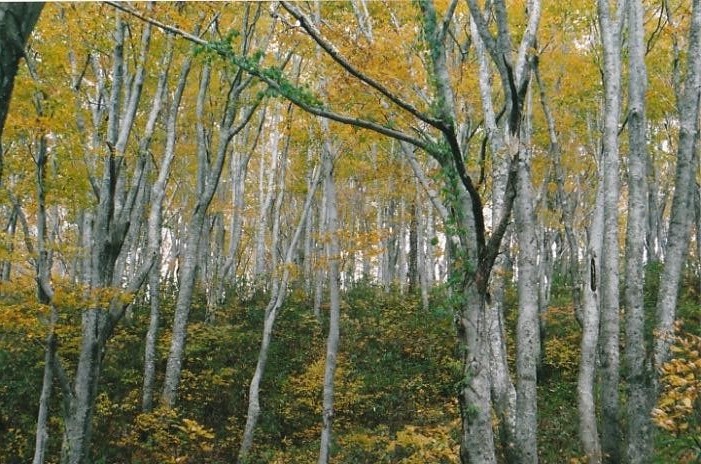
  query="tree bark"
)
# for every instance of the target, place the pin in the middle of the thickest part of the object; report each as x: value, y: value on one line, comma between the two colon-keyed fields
x: 277, y: 298
x: 528, y: 330
x: 208, y: 175
x: 682, y: 203
x: 17, y: 21
x: 611, y: 31
x: 155, y: 219
x: 333, y: 252
x: 413, y: 246
x: 639, y: 371
x: 42, y: 264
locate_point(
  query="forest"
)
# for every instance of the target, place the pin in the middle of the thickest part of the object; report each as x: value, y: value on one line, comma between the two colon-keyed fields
x: 437, y: 231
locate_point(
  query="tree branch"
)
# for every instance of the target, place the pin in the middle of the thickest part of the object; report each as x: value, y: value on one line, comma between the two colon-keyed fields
x: 335, y: 54
x: 273, y: 84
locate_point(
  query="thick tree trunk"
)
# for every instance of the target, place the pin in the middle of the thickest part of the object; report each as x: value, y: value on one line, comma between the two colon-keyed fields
x: 17, y: 20
x: 81, y: 404
x: 503, y: 390
x: 610, y: 318
x: 528, y: 331
x: 108, y: 232
x: 589, y: 318
x: 477, y: 441
x: 639, y: 374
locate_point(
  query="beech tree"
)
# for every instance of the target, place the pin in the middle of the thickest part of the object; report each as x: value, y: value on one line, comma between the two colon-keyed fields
x: 377, y: 232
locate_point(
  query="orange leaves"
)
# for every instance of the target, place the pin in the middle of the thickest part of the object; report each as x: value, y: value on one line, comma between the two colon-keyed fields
x: 678, y: 410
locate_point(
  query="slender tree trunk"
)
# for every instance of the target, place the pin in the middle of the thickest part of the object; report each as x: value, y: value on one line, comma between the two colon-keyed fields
x: 413, y: 246
x: 187, y: 274
x: 424, y: 259
x: 682, y: 202
x: 155, y: 221
x: 266, y: 196
x: 239, y: 172
x: 10, y: 229
x: 403, y: 262
x: 277, y: 298
x: 333, y: 254
x: 42, y: 432
x: 209, y: 169
x: 44, y: 296
x: 307, y: 247
x: 320, y: 270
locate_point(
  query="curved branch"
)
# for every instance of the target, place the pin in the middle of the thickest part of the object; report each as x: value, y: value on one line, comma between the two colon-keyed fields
x: 335, y: 54
x: 296, y: 100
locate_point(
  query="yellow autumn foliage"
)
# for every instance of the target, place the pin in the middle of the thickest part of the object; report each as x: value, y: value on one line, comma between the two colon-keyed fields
x: 678, y: 409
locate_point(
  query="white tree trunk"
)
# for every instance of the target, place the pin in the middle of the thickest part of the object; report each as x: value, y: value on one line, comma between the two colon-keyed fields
x: 682, y: 202
x: 155, y: 222
x: 266, y: 195
x: 591, y: 269
x: 277, y: 298
x: 639, y: 374
x: 611, y: 31
x: 528, y: 331
x: 208, y: 174
x: 333, y: 253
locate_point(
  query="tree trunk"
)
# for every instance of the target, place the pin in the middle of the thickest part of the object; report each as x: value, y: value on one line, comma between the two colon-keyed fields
x: 333, y: 253
x: 155, y: 220
x: 108, y: 232
x: 17, y: 20
x: 319, y: 271
x: 10, y: 229
x: 611, y: 29
x: 44, y: 296
x: 639, y: 373
x: 187, y: 274
x: 209, y: 169
x: 528, y: 331
x: 277, y: 298
x: 81, y: 404
x: 265, y: 196
x: 589, y: 319
x: 413, y: 247
x: 682, y: 202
